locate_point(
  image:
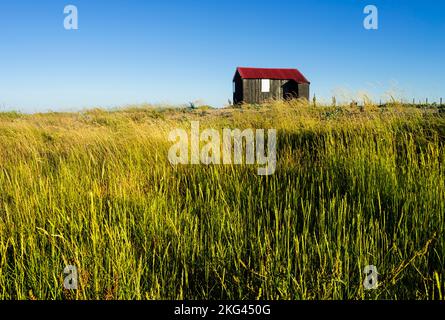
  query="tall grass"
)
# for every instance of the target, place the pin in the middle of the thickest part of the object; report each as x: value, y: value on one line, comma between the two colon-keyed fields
x: 95, y: 190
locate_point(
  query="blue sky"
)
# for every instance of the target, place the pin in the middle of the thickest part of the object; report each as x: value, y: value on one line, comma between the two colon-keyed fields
x: 134, y: 51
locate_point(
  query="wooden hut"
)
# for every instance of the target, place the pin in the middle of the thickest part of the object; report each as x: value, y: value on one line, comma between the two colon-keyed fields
x: 256, y: 85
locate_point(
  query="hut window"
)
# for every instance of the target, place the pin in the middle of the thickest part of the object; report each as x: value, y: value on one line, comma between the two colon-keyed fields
x: 233, y: 86
x: 265, y: 85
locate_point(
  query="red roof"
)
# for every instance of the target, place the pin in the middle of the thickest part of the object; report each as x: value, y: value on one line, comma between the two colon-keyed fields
x: 267, y: 73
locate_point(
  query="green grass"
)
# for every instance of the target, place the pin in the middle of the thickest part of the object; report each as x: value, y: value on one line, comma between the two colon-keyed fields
x: 95, y: 189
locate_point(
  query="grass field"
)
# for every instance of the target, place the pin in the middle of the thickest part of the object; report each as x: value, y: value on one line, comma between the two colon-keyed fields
x: 353, y: 187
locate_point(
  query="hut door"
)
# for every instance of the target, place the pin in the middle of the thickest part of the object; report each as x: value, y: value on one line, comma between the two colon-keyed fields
x: 290, y: 90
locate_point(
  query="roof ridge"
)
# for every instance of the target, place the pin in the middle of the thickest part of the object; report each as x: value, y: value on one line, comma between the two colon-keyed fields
x: 267, y: 68
x: 272, y: 73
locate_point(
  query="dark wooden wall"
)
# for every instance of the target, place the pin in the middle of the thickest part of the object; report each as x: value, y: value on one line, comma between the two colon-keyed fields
x: 252, y: 90
x: 303, y: 90
x: 239, y: 90
x: 249, y: 90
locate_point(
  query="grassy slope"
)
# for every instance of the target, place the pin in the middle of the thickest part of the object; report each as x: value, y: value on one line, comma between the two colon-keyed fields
x: 95, y: 189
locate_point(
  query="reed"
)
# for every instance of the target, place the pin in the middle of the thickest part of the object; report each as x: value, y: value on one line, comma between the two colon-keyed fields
x: 353, y: 187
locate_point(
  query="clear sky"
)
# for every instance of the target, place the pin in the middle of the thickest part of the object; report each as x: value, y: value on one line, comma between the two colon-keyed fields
x: 135, y: 51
